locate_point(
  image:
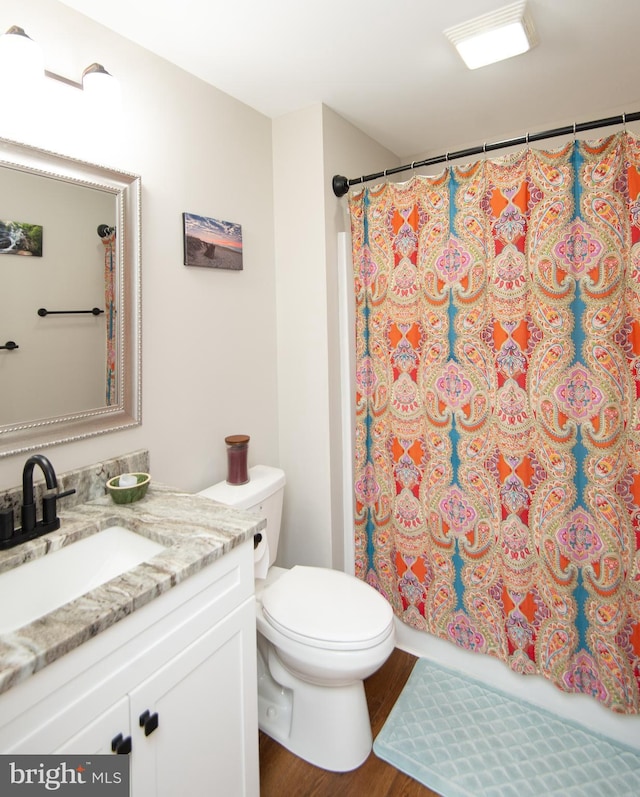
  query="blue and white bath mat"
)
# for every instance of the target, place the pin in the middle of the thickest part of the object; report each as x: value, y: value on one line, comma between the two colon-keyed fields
x: 464, y: 739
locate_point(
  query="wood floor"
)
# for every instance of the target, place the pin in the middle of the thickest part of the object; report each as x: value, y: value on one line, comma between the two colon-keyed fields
x: 285, y: 775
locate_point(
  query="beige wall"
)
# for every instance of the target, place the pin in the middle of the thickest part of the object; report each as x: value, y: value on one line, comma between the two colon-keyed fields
x: 302, y: 336
x: 309, y: 146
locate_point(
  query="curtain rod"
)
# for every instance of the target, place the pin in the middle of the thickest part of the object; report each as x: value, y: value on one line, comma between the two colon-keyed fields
x: 342, y: 184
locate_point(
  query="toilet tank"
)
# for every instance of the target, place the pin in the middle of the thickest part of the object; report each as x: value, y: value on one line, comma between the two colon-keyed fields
x: 262, y: 494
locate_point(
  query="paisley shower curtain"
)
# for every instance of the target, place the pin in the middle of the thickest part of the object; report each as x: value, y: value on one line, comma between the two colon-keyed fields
x: 497, y: 464
x: 109, y: 242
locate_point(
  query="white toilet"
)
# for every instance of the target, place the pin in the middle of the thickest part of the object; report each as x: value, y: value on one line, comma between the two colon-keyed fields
x: 320, y: 633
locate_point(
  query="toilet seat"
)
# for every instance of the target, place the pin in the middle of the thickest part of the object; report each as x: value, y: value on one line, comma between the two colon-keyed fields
x: 327, y: 609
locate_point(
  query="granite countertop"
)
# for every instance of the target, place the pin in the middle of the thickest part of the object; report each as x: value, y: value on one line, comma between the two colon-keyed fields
x: 195, y: 530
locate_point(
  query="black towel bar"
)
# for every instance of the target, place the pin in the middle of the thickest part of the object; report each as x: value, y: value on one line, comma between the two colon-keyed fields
x: 10, y: 344
x: 95, y: 311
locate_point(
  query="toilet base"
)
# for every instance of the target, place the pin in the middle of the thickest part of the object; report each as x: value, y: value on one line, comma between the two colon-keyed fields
x: 328, y: 726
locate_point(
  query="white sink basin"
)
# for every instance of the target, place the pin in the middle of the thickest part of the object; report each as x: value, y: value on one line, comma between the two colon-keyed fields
x: 44, y: 584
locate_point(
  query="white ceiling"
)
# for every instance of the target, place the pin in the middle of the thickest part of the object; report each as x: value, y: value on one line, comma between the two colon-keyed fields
x: 386, y: 66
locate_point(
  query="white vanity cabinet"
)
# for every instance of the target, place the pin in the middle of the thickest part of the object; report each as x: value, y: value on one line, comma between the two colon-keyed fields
x: 185, y: 663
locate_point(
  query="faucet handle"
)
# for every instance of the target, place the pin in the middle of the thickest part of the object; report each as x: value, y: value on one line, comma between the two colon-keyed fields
x: 49, y: 509
x: 6, y: 525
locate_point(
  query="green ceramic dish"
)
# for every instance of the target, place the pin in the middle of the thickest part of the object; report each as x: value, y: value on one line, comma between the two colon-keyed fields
x: 127, y: 495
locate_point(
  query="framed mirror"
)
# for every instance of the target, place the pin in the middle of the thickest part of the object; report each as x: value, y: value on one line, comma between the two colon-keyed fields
x: 70, y: 299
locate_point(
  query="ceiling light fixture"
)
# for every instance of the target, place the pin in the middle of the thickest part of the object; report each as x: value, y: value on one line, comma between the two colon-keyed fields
x: 20, y: 55
x: 492, y: 37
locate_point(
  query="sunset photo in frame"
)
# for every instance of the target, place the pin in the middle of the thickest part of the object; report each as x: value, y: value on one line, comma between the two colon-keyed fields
x: 211, y: 243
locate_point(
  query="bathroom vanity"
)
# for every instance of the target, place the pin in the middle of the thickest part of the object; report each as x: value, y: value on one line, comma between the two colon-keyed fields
x: 158, y: 663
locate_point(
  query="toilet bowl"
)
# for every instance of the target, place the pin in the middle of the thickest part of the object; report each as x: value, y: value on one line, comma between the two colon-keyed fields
x: 320, y: 633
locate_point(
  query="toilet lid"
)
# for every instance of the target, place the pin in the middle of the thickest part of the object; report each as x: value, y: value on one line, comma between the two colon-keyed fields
x: 326, y: 608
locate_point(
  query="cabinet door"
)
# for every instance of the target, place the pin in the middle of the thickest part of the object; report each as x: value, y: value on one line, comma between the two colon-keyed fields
x: 205, y: 699
x: 96, y: 737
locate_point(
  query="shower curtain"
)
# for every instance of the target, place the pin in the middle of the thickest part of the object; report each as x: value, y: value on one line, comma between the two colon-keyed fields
x: 497, y: 452
x: 109, y: 242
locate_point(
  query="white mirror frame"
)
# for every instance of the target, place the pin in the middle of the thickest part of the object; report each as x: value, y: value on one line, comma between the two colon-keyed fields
x: 127, y: 410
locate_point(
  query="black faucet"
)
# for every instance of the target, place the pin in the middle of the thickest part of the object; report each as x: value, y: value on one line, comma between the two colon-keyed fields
x: 32, y: 528
x: 28, y: 511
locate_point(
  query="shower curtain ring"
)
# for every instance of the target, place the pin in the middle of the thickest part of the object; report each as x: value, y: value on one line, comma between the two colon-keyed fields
x: 624, y: 123
x: 574, y: 132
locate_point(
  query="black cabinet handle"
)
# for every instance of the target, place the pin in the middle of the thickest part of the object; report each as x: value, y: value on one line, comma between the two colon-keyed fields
x: 149, y: 722
x: 257, y: 539
x: 120, y: 745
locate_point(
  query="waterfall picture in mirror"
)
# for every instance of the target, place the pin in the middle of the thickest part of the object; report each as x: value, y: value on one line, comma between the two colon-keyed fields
x: 17, y: 238
x: 74, y: 311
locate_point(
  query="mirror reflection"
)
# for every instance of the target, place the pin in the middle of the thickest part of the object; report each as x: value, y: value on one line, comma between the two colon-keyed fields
x: 69, y: 299
x: 61, y: 365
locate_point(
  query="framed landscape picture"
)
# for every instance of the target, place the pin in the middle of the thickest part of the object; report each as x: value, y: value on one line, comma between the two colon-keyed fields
x: 18, y: 238
x: 212, y: 243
